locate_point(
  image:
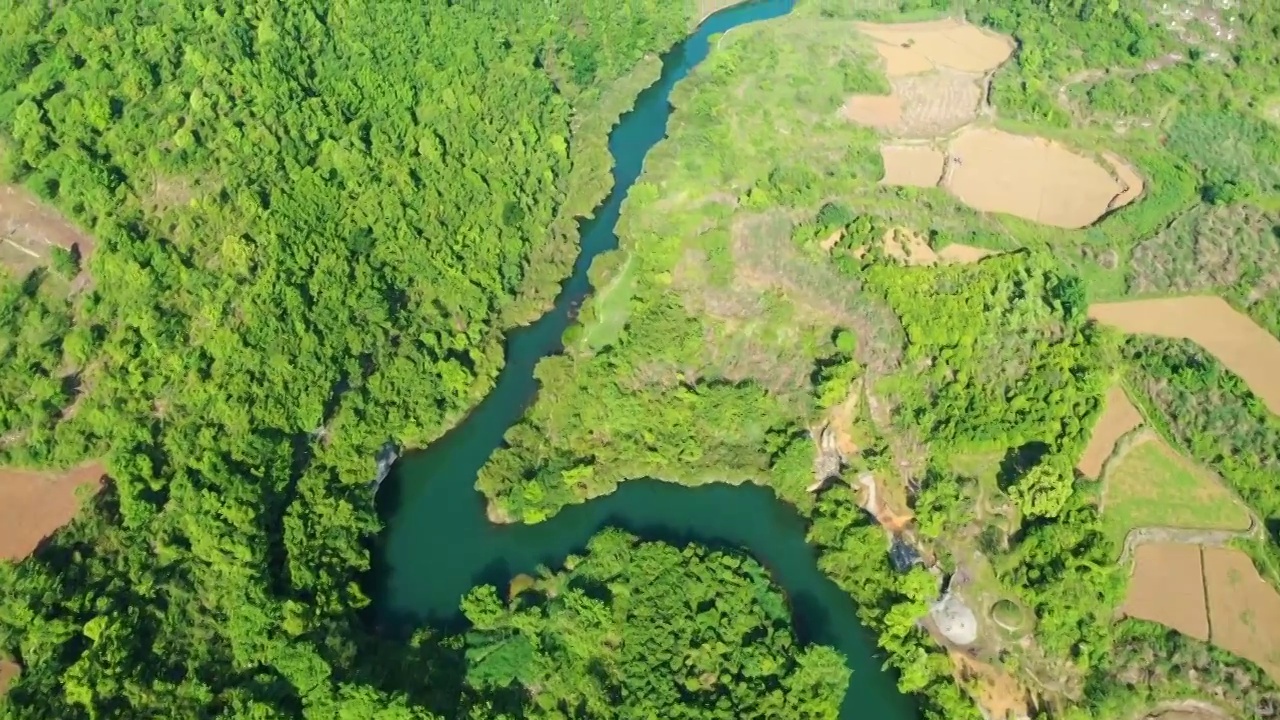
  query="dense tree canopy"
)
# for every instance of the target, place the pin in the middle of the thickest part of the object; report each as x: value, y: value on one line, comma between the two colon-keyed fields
x: 637, y: 630
x: 313, y: 220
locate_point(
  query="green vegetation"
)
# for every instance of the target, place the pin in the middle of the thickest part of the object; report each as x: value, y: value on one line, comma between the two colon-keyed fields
x: 689, y: 633
x: 40, y: 354
x: 313, y: 222
x: 1151, y: 486
x: 1222, y: 249
x: 1209, y: 411
x: 732, y: 336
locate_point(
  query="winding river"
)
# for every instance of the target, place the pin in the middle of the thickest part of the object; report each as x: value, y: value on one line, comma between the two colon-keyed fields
x: 438, y: 542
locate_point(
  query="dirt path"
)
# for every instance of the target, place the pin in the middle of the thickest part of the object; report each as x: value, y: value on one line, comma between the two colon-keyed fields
x: 1183, y: 536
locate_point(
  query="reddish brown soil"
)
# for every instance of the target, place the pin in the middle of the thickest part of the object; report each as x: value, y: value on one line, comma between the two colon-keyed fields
x: 33, y: 505
x: 26, y: 222
x: 8, y: 672
x: 1244, y: 609
x: 911, y: 165
x: 995, y: 691
x: 1118, y: 418
x: 1167, y: 588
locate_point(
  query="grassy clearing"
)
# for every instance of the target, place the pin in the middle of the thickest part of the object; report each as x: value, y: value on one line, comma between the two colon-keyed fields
x: 1152, y: 486
x: 610, y: 306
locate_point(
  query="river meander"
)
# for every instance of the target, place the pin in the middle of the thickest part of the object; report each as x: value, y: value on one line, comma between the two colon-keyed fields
x: 438, y: 542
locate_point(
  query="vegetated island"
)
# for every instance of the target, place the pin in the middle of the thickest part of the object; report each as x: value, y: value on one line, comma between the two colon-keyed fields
x: 299, y: 232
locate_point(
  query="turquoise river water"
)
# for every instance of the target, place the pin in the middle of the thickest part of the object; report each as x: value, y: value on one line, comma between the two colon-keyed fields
x: 438, y: 543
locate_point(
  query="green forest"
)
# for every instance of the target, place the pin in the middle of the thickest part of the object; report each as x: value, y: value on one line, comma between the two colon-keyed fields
x: 313, y: 222
x: 315, y: 225
x: 647, y: 630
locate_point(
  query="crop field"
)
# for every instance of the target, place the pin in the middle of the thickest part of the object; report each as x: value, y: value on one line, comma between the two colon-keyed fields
x: 1244, y: 609
x: 995, y: 171
x: 35, y: 504
x: 1236, y: 341
x: 1166, y: 588
x: 1209, y: 593
x: 1151, y: 485
x: 911, y: 165
x: 1119, y: 416
x: 911, y: 48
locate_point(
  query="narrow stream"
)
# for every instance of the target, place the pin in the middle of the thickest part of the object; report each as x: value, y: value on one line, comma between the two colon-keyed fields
x: 438, y: 542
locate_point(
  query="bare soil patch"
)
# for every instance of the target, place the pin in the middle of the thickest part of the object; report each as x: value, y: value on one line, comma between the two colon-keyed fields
x: 1119, y: 417
x: 911, y: 165
x: 1030, y: 177
x: 1244, y: 608
x: 841, y: 419
x: 883, y: 112
x: 1239, y: 343
x: 28, y: 228
x: 995, y: 691
x: 912, y: 248
x: 910, y: 48
x: 1166, y: 588
x: 8, y: 673
x: 961, y: 254
x: 33, y: 505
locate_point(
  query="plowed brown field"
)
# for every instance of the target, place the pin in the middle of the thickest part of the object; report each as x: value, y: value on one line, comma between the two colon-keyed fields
x: 909, y: 48
x: 1166, y: 587
x: 1030, y: 177
x: 911, y: 165
x: 1119, y: 416
x: 1244, y: 610
x: 35, y: 504
x: 1238, y: 342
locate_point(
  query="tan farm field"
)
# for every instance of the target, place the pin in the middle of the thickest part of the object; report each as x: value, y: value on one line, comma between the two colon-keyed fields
x: 1238, y: 342
x: 1244, y: 609
x: 995, y: 171
x: 1119, y: 417
x: 935, y: 73
x: 33, y: 505
x: 910, y: 48
x: 911, y: 165
x: 1166, y: 588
